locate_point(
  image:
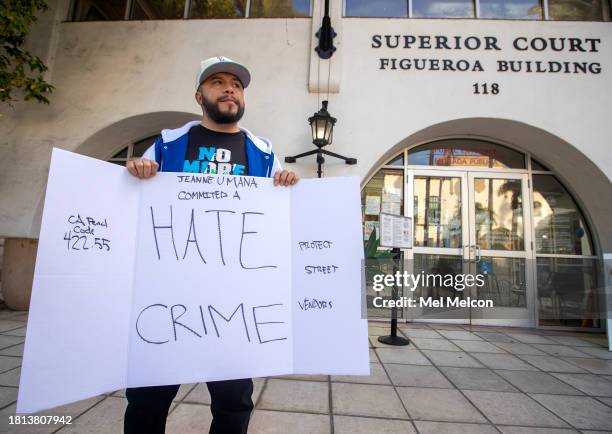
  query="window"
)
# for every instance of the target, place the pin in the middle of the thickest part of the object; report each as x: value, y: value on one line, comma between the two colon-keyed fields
x: 218, y: 9
x: 578, y: 10
x: 567, y: 279
x: 437, y: 211
x: 558, y: 224
x: 115, y: 10
x: 443, y: 8
x: 585, y: 10
x: 157, y: 9
x: 99, y: 10
x: 498, y: 214
x: 279, y: 8
x: 537, y: 166
x: 466, y: 153
x: 133, y: 150
x: 383, y: 193
x: 382, y: 8
x: 568, y: 291
x: 396, y: 161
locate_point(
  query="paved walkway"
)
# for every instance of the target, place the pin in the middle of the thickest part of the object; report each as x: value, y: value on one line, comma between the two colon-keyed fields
x: 450, y: 379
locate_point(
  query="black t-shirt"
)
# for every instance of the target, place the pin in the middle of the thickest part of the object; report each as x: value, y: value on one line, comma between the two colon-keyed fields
x: 215, y: 153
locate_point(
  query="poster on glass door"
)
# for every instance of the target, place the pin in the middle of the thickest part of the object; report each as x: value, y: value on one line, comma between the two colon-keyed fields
x: 395, y: 231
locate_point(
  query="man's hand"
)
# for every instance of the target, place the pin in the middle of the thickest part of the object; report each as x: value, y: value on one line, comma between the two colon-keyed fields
x: 285, y: 178
x: 142, y: 169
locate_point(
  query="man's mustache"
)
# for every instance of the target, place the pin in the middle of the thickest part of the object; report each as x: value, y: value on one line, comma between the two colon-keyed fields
x: 227, y: 98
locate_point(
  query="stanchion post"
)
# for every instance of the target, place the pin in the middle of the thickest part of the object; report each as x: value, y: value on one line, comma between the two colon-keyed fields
x: 393, y: 338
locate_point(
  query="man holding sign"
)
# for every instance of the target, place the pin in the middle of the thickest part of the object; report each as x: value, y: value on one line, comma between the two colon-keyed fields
x: 216, y: 145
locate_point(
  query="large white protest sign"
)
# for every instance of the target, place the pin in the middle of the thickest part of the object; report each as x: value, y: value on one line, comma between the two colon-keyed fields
x: 186, y: 278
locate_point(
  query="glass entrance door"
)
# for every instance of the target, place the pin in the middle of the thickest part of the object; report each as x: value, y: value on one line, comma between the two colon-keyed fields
x: 472, y: 223
x: 438, y: 203
x: 502, y: 249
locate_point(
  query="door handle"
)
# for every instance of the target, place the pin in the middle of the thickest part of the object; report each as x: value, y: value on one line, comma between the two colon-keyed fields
x: 477, y: 253
x: 469, y: 255
x: 476, y: 249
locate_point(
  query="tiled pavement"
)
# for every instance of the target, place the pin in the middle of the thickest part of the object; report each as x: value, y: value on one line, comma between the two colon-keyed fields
x: 449, y: 379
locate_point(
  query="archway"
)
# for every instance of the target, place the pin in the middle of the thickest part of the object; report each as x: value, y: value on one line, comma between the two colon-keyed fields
x: 545, y: 243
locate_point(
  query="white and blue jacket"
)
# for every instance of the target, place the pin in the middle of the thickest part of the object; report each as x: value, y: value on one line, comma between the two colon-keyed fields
x: 169, y: 151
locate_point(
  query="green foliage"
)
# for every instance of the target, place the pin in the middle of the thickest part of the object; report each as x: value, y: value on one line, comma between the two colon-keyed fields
x: 376, y: 261
x: 20, y: 70
x: 371, y: 248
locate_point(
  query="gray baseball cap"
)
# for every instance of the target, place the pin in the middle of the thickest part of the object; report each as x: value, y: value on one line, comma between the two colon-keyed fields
x: 217, y: 64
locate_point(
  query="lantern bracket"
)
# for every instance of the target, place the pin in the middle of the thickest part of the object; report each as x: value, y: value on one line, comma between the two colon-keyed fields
x: 328, y: 121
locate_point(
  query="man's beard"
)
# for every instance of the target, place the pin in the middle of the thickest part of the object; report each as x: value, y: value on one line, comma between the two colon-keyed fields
x: 216, y: 115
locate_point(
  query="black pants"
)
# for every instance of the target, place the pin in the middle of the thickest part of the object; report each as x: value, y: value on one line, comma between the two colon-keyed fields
x: 231, y: 407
